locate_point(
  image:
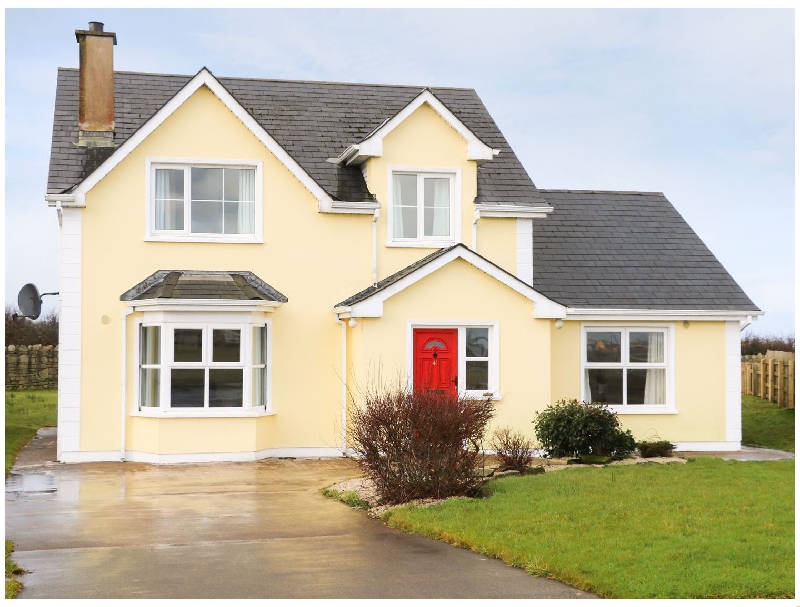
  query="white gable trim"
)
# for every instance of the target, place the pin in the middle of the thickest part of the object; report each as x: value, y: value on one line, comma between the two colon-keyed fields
x: 372, y: 307
x: 372, y: 146
x: 203, y: 78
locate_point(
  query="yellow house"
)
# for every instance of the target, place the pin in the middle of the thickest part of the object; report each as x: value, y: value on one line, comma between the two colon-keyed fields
x: 239, y: 258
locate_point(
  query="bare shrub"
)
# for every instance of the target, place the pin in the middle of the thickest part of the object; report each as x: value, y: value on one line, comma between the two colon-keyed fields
x: 25, y: 332
x: 760, y: 344
x: 416, y: 445
x: 513, y: 448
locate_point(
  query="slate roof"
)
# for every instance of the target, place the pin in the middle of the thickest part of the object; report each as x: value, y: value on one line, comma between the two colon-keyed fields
x: 627, y: 250
x: 312, y: 121
x: 197, y: 284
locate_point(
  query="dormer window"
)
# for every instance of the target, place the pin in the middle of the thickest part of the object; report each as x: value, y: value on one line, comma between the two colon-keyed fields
x: 204, y: 202
x: 423, y: 208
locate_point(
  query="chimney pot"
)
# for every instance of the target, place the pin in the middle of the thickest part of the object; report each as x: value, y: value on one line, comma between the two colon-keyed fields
x: 95, y: 26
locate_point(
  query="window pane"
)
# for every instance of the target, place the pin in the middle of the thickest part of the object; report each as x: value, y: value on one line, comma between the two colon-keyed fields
x: 226, y: 345
x: 603, y: 347
x: 405, y: 222
x: 188, y: 386
x: 225, y: 387
x: 206, y: 217
x: 240, y: 184
x: 150, y: 384
x: 239, y: 217
x: 259, y: 345
x: 604, y: 386
x: 477, y: 342
x: 437, y: 192
x: 150, y: 350
x: 477, y: 375
x: 647, y: 387
x: 260, y: 387
x: 206, y: 184
x: 646, y: 347
x: 405, y: 190
x: 169, y: 214
x: 437, y: 222
x: 188, y: 345
x: 169, y: 184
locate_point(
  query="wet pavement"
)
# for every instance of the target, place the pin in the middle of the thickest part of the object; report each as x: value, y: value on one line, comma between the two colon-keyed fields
x: 245, y: 530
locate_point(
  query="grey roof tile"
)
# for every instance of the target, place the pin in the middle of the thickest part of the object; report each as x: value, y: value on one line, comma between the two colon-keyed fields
x: 199, y: 284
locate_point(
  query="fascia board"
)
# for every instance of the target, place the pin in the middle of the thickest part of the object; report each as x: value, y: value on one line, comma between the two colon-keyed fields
x: 373, y: 305
x: 496, y: 210
x: 352, y: 208
x: 66, y: 200
x: 661, y: 315
x: 203, y: 78
x: 202, y: 305
x: 372, y: 146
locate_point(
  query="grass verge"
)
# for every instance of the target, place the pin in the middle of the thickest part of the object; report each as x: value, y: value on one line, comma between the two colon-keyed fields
x: 13, y: 585
x: 348, y: 497
x: 26, y: 412
x: 765, y: 424
x: 707, y: 529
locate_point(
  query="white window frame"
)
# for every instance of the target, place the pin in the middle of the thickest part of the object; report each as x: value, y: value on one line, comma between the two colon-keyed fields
x: 493, y: 390
x: 422, y: 241
x: 208, y: 323
x: 185, y: 235
x: 668, y: 365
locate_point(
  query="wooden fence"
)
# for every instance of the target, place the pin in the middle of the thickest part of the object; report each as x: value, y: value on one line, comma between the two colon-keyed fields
x: 770, y: 377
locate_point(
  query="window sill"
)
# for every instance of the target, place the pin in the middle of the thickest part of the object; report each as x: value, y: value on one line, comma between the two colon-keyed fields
x: 200, y: 412
x: 222, y: 238
x: 643, y: 410
x: 422, y: 244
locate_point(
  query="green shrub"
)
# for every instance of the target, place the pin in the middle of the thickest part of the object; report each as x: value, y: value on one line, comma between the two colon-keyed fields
x: 657, y: 448
x: 571, y: 429
x: 513, y: 449
x: 417, y: 445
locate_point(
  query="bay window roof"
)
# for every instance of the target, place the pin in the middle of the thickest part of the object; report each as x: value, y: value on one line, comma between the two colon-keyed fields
x: 204, y: 285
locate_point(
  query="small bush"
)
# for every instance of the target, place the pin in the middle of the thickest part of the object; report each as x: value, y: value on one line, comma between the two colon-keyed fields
x: 513, y: 449
x: 417, y: 445
x: 658, y: 448
x: 571, y: 429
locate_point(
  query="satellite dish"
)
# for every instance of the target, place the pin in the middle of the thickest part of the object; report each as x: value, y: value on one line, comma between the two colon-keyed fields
x: 29, y: 301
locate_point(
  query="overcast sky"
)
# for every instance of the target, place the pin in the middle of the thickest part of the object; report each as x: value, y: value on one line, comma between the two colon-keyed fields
x: 698, y: 104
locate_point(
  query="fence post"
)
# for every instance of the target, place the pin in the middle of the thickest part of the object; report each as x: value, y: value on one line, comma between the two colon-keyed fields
x: 762, y: 384
x: 790, y: 387
x: 781, y: 402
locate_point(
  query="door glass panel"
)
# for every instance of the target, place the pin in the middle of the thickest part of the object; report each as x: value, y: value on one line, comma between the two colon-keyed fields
x: 226, y: 345
x: 188, y: 345
x: 434, y: 343
x: 604, y: 386
x: 647, y: 347
x: 647, y: 386
x: 603, y: 347
x: 188, y: 387
x: 225, y: 387
x: 477, y: 342
x: 477, y: 375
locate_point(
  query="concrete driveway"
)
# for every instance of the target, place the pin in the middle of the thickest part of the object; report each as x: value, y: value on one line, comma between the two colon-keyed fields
x: 249, y: 530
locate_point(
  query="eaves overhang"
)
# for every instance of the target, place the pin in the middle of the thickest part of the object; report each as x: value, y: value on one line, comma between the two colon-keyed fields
x: 636, y: 314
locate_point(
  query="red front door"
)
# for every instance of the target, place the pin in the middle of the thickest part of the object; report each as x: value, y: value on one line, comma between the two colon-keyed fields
x: 436, y: 360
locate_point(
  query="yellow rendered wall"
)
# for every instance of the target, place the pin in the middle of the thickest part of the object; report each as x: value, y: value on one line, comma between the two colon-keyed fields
x: 699, y: 381
x: 497, y: 241
x: 315, y: 259
x: 425, y: 140
x: 460, y: 292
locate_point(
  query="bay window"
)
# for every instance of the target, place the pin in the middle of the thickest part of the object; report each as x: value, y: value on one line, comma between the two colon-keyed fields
x: 627, y: 368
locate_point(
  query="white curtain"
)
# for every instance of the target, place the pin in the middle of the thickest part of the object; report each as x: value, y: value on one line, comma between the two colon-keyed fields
x: 404, y: 196
x: 441, y: 207
x: 588, y: 388
x: 655, y: 382
x: 247, y: 204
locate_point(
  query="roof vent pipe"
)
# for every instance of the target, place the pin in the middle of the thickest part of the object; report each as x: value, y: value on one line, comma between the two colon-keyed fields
x: 96, y: 86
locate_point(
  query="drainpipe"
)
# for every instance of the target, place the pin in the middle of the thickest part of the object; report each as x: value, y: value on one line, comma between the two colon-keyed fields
x: 60, y: 213
x: 124, y: 383
x: 343, y: 324
x: 475, y: 230
x: 375, y: 216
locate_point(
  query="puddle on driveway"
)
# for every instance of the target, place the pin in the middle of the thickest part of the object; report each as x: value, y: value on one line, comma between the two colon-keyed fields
x: 36, y: 482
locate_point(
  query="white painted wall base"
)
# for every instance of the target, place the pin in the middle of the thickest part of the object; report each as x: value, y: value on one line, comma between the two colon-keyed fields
x: 76, y: 457
x: 709, y: 446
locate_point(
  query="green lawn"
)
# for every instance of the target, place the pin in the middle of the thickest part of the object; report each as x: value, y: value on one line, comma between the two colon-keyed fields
x: 709, y: 528
x: 764, y: 424
x: 26, y: 412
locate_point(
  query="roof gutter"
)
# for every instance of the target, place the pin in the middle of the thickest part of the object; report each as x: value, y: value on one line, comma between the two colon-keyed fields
x: 511, y: 210
x: 78, y: 199
x: 619, y: 314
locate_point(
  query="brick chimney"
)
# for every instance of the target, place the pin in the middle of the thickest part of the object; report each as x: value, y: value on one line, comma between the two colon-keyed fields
x: 96, y: 97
